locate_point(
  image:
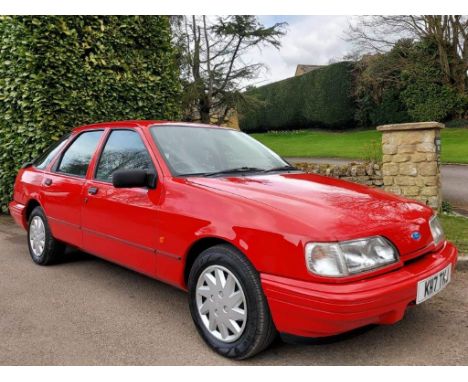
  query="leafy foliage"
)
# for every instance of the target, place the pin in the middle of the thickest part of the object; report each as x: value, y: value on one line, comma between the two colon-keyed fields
x: 390, y: 110
x: 57, y: 72
x: 448, y: 35
x: 447, y: 207
x: 431, y: 102
x: 321, y: 98
x: 405, y: 84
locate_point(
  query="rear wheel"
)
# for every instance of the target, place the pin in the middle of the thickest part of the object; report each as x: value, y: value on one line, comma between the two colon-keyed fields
x: 43, y: 248
x: 227, y: 303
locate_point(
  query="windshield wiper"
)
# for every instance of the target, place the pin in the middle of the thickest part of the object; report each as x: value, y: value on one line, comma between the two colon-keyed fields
x: 240, y: 170
x: 282, y: 168
x: 235, y: 170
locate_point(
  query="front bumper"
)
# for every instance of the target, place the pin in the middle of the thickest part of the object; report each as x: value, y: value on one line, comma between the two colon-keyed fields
x: 311, y: 309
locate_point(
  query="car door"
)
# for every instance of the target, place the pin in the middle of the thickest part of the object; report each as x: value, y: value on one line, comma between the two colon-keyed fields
x: 119, y: 224
x: 62, y: 187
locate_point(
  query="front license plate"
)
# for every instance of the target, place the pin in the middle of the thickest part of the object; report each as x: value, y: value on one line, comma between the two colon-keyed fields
x: 433, y: 284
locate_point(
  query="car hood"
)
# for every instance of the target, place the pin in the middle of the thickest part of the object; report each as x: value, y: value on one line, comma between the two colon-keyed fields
x: 334, y: 209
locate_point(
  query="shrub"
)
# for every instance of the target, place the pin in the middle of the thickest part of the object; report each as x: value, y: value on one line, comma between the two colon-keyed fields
x: 406, y: 84
x: 389, y: 110
x: 431, y: 101
x: 447, y: 207
x: 377, y: 87
x: 57, y: 72
x: 457, y: 123
x: 321, y: 98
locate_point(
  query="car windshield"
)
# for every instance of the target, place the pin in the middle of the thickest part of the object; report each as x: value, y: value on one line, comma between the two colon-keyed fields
x: 209, y: 151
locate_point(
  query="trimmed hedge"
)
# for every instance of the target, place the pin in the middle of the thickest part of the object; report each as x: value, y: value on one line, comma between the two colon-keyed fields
x: 321, y: 98
x: 58, y: 72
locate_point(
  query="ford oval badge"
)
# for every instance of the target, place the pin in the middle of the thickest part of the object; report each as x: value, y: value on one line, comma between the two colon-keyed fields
x: 416, y: 235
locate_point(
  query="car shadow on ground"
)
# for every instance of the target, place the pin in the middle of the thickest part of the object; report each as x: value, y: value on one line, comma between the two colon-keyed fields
x: 281, y: 343
x: 292, y: 340
x: 73, y: 255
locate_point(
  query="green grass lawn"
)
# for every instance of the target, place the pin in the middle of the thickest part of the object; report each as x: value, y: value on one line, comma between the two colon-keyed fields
x: 456, y: 230
x: 354, y: 144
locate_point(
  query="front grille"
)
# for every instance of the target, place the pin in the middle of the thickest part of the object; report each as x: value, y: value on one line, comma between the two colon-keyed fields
x: 416, y: 255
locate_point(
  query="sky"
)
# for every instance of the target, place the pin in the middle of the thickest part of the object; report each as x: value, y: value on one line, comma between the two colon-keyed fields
x: 311, y: 40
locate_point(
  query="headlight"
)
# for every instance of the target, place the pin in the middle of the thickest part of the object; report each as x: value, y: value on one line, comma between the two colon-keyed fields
x: 436, y: 230
x: 349, y: 257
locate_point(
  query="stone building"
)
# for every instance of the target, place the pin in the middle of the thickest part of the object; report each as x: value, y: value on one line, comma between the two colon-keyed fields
x: 302, y: 69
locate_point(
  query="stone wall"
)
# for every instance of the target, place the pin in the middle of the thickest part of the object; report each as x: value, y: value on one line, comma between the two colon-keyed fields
x: 411, y: 161
x: 410, y: 166
x: 369, y: 174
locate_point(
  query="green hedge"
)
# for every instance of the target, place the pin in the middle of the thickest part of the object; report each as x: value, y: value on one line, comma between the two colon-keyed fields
x: 57, y: 72
x: 321, y: 98
x: 406, y: 84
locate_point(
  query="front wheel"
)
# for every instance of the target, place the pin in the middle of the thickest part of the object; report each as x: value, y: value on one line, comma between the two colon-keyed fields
x: 227, y: 303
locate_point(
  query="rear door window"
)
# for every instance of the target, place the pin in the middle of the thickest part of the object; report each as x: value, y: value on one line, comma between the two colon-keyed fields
x: 75, y: 160
x: 43, y: 161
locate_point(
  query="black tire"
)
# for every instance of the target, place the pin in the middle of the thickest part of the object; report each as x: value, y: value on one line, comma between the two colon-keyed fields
x: 259, y: 331
x: 53, y: 249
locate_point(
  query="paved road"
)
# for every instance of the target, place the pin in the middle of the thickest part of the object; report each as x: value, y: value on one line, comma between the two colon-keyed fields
x: 454, y: 181
x: 87, y: 312
x: 455, y: 186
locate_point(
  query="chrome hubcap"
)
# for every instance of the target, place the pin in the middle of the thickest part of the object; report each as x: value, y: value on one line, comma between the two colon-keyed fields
x: 221, y: 303
x: 37, y: 236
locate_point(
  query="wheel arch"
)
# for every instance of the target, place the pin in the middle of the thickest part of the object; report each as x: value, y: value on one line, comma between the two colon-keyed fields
x: 30, y: 205
x: 197, y: 248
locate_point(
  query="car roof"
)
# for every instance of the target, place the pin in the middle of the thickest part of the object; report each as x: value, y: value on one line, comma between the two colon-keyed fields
x: 138, y: 123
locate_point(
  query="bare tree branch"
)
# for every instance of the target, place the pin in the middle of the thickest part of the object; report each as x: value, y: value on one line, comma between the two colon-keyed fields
x: 212, y: 63
x: 377, y: 34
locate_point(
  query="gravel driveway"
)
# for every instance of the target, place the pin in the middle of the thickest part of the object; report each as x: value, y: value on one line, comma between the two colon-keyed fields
x: 88, y: 311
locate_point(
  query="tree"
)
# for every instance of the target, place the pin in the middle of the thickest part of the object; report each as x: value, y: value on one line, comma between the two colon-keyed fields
x: 449, y: 32
x: 405, y: 84
x: 212, y: 60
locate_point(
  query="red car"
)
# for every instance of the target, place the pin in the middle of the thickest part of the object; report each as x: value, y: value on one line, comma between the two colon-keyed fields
x: 261, y: 247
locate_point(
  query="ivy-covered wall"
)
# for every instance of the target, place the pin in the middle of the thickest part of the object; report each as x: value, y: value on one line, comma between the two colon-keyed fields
x: 58, y: 72
x: 321, y: 98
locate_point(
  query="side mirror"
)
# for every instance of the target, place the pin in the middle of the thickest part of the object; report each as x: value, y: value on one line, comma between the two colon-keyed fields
x: 133, y: 178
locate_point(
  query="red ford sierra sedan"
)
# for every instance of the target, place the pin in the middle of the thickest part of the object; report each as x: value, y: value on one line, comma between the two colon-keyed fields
x: 261, y: 247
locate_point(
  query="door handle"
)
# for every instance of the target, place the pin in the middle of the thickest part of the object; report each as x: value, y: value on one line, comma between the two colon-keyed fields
x: 92, y: 190
x: 48, y: 181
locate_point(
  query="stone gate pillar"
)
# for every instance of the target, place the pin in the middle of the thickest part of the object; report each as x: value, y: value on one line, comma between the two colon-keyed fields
x: 411, y: 161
